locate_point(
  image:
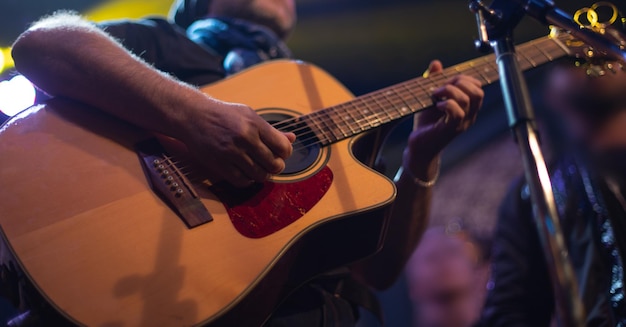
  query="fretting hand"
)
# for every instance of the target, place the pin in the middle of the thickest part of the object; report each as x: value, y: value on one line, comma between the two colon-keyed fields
x: 458, y: 102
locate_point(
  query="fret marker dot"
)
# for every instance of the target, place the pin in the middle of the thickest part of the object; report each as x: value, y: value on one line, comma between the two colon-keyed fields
x: 404, y: 109
x: 366, y: 111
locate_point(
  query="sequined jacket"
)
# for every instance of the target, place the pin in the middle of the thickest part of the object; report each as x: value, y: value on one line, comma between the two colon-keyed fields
x: 520, y: 290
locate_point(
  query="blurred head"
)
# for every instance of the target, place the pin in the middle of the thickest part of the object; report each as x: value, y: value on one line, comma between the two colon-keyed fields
x: 278, y: 15
x: 589, y: 96
x: 592, y: 108
x: 447, y: 285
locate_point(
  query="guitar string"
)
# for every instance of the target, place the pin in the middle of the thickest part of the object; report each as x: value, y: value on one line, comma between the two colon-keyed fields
x: 400, y: 97
x: 402, y: 100
x: 369, y: 118
x: 380, y: 96
x: 402, y: 105
x: 486, y: 60
x: 443, y: 76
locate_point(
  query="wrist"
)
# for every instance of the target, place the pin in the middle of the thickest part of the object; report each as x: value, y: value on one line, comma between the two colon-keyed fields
x: 421, y: 171
x: 431, y: 173
x: 182, y: 116
x: 423, y: 167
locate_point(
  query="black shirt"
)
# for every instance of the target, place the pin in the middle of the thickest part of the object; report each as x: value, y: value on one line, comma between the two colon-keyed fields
x: 166, y: 47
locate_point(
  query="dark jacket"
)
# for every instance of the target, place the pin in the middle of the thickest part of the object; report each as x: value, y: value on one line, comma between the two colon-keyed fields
x: 521, y: 291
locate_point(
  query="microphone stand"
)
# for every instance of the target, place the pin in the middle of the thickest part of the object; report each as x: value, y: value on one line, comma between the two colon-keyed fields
x: 499, y: 24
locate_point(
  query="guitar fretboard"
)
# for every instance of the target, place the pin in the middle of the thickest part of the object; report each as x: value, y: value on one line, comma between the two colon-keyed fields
x: 380, y: 107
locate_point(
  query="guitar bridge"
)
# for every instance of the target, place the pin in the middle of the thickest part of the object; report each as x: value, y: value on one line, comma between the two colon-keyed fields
x: 171, y: 185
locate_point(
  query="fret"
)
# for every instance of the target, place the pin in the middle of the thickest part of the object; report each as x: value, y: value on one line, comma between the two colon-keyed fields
x: 332, y: 117
x: 376, y: 108
x: 434, y: 83
x: 525, y: 56
x: 494, y: 68
x: 423, y: 103
x: 349, y: 120
x: 447, y: 74
x: 370, y: 116
x: 547, y: 55
x: 344, y: 123
x: 409, y: 106
x: 558, y: 49
x: 330, y: 125
x: 403, y: 99
x: 360, y: 118
x: 317, y: 128
x: 380, y: 97
x: 561, y: 46
x: 537, y: 56
x: 477, y: 70
x: 398, y: 104
x: 491, y: 68
x: 389, y: 97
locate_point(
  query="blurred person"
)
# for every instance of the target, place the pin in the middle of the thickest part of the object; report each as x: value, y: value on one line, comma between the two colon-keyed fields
x: 447, y: 277
x: 146, y: 72
x: 589, y: 183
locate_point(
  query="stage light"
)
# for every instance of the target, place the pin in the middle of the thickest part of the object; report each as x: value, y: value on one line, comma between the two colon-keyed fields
x: 16, y: 95
x: 6, y: 61
x: 128, y: 9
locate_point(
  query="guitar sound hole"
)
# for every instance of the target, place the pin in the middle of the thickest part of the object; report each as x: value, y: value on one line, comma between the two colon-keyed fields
x: 306, y: 148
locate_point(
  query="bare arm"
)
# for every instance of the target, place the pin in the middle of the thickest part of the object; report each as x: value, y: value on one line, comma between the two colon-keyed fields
x: 434, y: 129
x: 69, y: 57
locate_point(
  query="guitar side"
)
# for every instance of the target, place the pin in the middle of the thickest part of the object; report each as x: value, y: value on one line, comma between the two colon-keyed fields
x: 80, y: 217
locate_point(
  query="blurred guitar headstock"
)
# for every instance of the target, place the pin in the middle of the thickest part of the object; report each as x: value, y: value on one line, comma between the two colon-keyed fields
x: 603, y: 18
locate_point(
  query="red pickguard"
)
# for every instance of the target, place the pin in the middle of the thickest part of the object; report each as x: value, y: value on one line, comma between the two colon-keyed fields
x: 263, y: 209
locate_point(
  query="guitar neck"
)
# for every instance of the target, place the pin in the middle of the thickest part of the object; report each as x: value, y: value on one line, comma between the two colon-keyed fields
x: 392, y: 103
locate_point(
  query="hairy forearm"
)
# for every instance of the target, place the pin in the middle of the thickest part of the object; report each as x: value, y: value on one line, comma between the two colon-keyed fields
x: 68, y: 57
x: 407, y: 222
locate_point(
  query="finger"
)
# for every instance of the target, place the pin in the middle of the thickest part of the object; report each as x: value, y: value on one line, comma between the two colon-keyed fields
x: 264, y: 158
x: 277, y: 142
x: 453, y: 111
x: 251, y: 170
x: 467, y: 79
x: 453, y: 93
x: 291, y: 137
x: 427, y: 117
x: 434, y: 67
x: 474, y: 92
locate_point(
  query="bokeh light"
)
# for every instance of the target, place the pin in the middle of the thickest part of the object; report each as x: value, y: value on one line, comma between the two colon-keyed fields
x: 128, y: 9
x: 16, y: 95
x: 6, y: 61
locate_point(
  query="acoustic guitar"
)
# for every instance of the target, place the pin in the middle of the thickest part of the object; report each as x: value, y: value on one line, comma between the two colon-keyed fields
x: 101, y: 222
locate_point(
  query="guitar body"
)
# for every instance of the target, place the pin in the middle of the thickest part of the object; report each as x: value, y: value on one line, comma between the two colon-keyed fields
x: 81, y: 219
